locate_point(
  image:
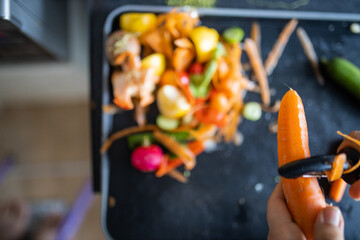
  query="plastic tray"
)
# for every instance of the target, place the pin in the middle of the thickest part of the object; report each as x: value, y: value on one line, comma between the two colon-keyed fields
x: 228, y: 190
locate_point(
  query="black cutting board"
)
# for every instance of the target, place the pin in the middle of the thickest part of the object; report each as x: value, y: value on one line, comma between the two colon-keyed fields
x: 228, y: 190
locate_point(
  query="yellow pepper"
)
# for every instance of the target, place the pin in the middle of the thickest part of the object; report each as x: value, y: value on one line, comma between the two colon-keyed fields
x: 205, y: 41
x: 137, y: 22
x: 156, y: 61
x: 171, y: 102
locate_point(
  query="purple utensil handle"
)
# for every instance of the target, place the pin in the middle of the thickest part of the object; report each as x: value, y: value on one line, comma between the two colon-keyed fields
x: 71, y: 223
x: 5, y: 166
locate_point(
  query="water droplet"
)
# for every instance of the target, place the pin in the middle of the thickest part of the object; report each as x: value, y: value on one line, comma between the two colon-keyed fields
x: 277, y: 179
x: 241, y: 201
x: 339, y: 45
x: 331, y: 28
x: 259, y: 187
x: 267, y: 116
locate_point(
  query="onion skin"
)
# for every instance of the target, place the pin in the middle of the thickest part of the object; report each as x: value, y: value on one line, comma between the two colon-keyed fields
x: 147, y: 158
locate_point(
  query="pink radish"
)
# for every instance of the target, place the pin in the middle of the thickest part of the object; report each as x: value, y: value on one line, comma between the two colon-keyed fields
x: 147, y: 158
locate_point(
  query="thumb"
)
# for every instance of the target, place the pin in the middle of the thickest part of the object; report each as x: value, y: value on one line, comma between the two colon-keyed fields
x: 329, y: 224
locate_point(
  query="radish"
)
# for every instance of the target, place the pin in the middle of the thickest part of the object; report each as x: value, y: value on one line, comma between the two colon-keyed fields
x: 147, y: 158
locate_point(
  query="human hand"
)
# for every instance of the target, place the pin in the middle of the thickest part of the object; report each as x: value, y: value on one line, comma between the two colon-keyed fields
x: 329, y: 224
x: 354, y: 190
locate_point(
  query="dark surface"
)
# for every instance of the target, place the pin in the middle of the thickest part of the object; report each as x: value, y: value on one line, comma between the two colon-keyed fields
x: 208, y: 206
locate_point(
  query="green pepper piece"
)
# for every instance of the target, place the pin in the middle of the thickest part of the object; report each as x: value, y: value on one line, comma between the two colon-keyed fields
x: 252, y: 111
x: 138, y: 139
x: 233, y: 35
x: 196, y: 79
x: 220, y: 50
x: 209, y: 73
x: 166, y: 123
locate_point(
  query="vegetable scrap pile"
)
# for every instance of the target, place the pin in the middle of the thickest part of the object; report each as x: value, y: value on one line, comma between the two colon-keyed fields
x: 195, y: 76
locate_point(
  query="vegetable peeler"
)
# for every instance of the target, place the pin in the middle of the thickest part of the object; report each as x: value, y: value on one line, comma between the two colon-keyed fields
x: 317, y: 166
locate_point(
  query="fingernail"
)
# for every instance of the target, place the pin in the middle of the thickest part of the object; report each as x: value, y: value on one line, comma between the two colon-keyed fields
x: 331, y: 215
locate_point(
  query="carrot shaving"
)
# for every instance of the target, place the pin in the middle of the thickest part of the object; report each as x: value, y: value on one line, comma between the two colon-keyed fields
x: 183, y: 43
x: 337, y: 168
x: 182, y: 58
x: 205, y: 131
x: 272, y: 109
x: 279, y: 46
x: 111, y: 109
x: 177, y: 176
x: 234, y: 52
x: 255, y: 34
x: 140, y: 114
x: 249, y: 85
x: 337, y: 190
x: 258, y: 68
x: 310, y: 53
x: 182, y: 152
x: 163, y: 166
x: 196, y: 147
x: 159, y: 41
x: 357, y: 142
x: 230, y: 132
x: 170, y: 165
x: 125, y: 132
x: 353, y: 168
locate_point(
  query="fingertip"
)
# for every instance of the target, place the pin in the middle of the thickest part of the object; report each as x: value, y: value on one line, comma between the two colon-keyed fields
x: 354, y: 191
x: 329, y: 224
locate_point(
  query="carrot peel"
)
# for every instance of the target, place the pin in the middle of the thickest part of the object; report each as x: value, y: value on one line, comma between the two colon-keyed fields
x: 337, y: 168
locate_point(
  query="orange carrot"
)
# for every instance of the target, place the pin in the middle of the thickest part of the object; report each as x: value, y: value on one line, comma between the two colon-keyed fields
x: 258, y: 68
x: 177, y: 176
x: 255, y: 35
x: 182, y: 58
x: 125, y: 132
x: 271, y: 109
x: 163, y: 165
x: 181, y: 151
x: 337, y: 168
x: 205, y: 131
x: 196, y: 147
x: 279, y: 46
x: 303, y: 195
x: 310, y: 53
x: 170, y: 165
x: 337, y: 190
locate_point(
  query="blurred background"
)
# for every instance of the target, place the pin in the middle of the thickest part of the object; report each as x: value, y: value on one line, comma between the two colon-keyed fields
x: 44, y: 114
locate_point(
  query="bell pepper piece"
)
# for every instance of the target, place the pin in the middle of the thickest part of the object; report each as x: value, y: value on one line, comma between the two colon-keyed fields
x: 205, y: 41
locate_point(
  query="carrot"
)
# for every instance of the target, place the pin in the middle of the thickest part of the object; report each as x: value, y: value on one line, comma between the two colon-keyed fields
x: 182, y: 58
x: 258, y: 68
x: 310, y: 53
x: 168, y: 166
x: 337, y: 168
x: 205, y: 131
x: 303, y: 195
x: 337, y: 190
x: 125, y: 132
x: 184, y: 43
x: 181, y: 151
x: 255, y: 35
x: 271, y: 109
x: 177, y: 176
x: 196, y: 147
x: 279, y: 46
